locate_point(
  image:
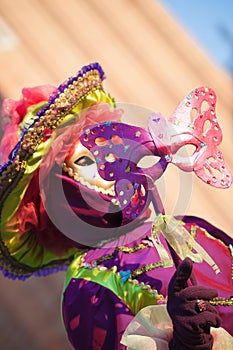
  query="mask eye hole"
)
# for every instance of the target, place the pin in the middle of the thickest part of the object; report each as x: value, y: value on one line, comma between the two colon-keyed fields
x: 84, y: 161
x: 186, y: 150
x: 148, y: 161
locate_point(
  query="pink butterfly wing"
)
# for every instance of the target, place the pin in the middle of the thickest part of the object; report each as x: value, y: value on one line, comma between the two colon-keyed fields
x: 196, y: 114
x: 211, y: 168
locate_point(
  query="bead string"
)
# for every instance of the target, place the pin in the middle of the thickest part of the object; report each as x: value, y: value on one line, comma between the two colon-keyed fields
x: 222, y: 301
x: 146, y: 268
x: 125, y: 274
x: 106, y: 257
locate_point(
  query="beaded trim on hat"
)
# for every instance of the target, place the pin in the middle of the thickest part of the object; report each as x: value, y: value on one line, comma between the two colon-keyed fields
x: 67, y: 96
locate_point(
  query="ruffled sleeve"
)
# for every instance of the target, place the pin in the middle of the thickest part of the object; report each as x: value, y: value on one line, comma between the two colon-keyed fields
x: 151, y: 329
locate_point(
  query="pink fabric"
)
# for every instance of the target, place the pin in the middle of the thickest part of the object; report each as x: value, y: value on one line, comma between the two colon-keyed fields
x: 13, y: 113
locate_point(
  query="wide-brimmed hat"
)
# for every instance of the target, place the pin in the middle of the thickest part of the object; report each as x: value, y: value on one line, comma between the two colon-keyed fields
x: 29, y: 243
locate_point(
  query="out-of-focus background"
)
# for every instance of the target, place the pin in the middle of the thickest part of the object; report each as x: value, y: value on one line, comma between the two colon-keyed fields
x: 153, y: 53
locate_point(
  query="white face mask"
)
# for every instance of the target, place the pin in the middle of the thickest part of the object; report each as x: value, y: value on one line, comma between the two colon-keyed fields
x: 81, y: 165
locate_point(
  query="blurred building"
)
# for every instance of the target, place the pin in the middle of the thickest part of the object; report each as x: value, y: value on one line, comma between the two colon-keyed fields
x: 149, y: 61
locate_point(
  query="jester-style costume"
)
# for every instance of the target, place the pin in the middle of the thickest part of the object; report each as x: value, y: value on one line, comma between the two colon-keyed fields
x: 73, y: 196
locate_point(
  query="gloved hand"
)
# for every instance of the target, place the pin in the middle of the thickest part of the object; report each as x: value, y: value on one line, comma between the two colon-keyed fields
x: 191, y: 323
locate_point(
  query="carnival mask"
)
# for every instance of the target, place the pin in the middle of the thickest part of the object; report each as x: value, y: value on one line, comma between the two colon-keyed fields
x: 116, y: 149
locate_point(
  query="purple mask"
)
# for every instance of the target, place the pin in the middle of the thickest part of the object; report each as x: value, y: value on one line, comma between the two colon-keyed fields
x: 118, y: 148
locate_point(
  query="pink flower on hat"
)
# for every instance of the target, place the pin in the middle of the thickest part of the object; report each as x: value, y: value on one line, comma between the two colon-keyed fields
x: 14, y: 111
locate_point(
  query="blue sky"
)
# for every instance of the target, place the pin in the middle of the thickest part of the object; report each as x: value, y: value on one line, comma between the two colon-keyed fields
x: 210, y: 22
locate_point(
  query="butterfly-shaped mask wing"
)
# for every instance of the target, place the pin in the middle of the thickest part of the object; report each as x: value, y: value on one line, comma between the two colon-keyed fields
x: 194, y: 122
